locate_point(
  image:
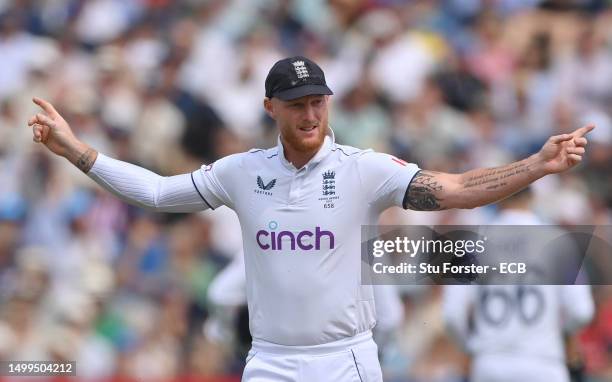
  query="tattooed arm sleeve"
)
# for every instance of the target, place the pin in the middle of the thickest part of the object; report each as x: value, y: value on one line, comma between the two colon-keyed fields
x: 424, y: 193
x: 433, y: 191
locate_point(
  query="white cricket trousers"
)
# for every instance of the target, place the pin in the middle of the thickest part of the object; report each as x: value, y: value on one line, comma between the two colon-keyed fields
x: 504, y: 368
x: 353, y: 359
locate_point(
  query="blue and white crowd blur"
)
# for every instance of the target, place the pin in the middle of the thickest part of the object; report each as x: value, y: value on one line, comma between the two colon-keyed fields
x: 449, y: 84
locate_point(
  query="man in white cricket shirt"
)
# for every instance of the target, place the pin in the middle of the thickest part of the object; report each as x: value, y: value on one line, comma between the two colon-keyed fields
x: 301, y: 205
x: 228, y: 291
x: 516, y: 332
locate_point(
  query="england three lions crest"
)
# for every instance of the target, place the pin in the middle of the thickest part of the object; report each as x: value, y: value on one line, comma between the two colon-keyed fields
x: 300, y: 69
x: 329, y: 183
x: 328, y: 189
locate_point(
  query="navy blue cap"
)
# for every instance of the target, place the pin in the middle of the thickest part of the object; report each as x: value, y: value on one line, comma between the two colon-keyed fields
x: 296, y: 77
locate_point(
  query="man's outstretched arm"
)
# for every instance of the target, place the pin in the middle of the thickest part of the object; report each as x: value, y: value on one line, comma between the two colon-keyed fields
x: 131, y: 183
x: 433, y: 191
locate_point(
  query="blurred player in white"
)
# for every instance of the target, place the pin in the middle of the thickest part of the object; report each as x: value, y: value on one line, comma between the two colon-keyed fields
x: 301, y: 206
x: 517, y: 332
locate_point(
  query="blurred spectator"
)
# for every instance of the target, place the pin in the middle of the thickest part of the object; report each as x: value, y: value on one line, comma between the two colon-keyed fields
x: 359, y: 120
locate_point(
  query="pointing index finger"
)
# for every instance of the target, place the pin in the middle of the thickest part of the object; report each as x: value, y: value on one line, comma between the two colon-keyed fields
x: 581, y: 132
x: 46, y: 106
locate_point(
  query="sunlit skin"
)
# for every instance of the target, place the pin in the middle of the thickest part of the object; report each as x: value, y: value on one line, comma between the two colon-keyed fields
x: 302, y: 124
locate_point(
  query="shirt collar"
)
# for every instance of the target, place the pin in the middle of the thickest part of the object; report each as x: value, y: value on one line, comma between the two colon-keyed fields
x: 328, y: 144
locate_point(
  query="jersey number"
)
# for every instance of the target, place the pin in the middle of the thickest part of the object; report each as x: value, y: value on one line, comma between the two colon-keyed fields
x: 497, y: 306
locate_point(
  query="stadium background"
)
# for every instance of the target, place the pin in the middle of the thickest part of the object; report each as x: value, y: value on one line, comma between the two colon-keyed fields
x: 447, y: 84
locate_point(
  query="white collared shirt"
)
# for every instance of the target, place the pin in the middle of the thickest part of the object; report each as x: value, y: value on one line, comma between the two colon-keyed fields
x: 301, y: 231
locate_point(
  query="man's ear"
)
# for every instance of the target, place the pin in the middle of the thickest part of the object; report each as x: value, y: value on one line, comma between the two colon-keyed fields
x: 269, y: 107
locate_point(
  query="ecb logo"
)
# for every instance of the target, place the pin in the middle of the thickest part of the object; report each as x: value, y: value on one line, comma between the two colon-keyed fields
x: 329, y: 183
x: 328, y: 186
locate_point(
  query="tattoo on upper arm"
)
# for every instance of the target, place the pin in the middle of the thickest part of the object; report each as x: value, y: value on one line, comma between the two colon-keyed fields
x: 86, y: 160
x: 422, y: 192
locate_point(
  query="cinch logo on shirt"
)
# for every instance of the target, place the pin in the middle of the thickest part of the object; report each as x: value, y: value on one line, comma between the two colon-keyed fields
x: 304, y: 240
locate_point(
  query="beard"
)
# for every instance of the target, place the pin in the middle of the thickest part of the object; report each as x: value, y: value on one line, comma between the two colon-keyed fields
x: 292, y: 138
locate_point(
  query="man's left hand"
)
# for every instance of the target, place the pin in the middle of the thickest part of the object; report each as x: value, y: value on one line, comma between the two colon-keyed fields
x: 562, y: 152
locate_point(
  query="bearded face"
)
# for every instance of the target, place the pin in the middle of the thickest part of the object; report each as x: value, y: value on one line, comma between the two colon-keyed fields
x: 302, y: 122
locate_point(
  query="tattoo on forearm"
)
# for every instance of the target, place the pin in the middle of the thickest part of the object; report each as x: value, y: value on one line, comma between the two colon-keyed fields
x: 421, y: 193
x: 496, y: 177
x: 86, y: 160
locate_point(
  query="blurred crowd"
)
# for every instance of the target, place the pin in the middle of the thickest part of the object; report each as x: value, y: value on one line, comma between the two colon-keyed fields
x: 449, y: 84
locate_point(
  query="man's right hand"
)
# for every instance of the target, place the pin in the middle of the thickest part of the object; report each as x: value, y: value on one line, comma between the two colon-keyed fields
x: 50, y: 129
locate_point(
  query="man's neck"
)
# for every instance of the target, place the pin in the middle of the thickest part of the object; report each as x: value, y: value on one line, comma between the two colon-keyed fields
x: 299, y: 158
